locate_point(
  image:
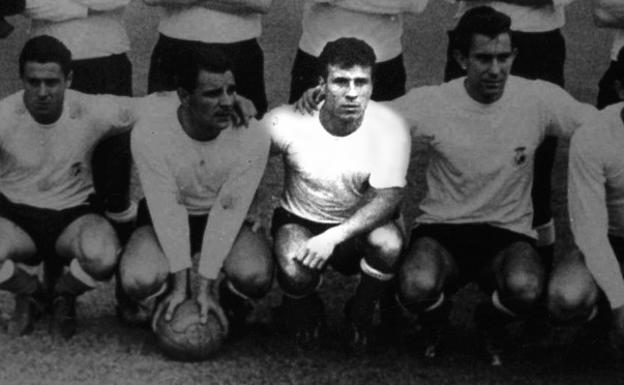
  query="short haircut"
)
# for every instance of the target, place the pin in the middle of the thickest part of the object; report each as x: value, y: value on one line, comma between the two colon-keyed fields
x: 191, y: 61
x: 45, y: 49
x: 346, y: 52
x: 482, y: 20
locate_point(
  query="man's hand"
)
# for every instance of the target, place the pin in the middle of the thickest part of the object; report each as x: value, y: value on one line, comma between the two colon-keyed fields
x: 173, y: 299
x: 316, y: 251
x: 309, y: 102
x: 244, y: 111
x: 254, y: 220
x: 207, y: 303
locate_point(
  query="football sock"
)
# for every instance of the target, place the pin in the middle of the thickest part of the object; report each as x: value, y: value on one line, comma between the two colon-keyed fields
x: 75, y: 281
x: 16, y: 279
x: 373, y: 282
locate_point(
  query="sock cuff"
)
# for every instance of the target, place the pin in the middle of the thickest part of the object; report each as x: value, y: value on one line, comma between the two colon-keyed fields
x: 230, y: 286
x: 128, y: 215
x: 499, y: 305
x: 77, y: 272
x: 374, y: 273
x: 436, y: 304
x: 7, y: 270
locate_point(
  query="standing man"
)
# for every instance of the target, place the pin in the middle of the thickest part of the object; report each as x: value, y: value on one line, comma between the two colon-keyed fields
x: 536, y: 34
x: 232, y: 26
x: 199, y: 173
x: 94, y: 32
x: 377, y: 22
x: 610, y: 14
x: 47, y: 214
x: 345, y: 169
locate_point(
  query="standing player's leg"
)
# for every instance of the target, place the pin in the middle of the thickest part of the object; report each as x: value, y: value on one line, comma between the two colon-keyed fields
x: 19, y: 263
x: 303, y: 76
x: 377, y: 267
x: 161, y: 75
x: 426, y: 271
x: 516, y: 278
x: 249, y: 275
x: 89, y: 246
x: 248, y: 70
x: 142, y: 276
x: 301, y: 305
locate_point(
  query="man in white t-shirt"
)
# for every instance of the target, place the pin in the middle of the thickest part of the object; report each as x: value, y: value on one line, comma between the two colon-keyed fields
x: 610, y: 14
x: 476, y: 218
x: 536, y: 34
x: 596, y: 206
x: 345, y: 169
x: 47, y: 214
x: 233, y: 26
x: 199, y: 173
x: 377, y: 22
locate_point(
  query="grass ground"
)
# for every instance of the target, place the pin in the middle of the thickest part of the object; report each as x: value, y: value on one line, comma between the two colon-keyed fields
x: 105, y: 352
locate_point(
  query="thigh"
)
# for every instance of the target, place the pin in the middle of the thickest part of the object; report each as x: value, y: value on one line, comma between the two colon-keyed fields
x: 161, y: 76
x: 390, y: 79
x: 452, y: 69
x: 540, y: 56
x: 250, y: 255
x: 15, y: 243
x: 304, y: 75
x: 607, y: 93
x: 248, y: 69
x: 118, y: 75
x: 85, y: 237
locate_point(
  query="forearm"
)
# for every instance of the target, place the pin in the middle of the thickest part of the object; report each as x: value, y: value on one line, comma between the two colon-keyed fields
x: 608, y: 13
x: 377, y: 211
x: 237, y: 6
x: 103, y: 5
x: 55, y: 10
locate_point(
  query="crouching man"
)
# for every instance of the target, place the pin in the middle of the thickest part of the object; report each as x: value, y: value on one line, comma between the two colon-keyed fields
x: 199, y: 173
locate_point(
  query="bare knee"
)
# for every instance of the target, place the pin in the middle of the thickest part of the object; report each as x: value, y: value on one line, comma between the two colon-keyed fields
x: 387, y: 244
x: 253, y: 281
x: 143, y: 268
x: 296, y: 279
x: 98, y: 251
x: 572, y: 302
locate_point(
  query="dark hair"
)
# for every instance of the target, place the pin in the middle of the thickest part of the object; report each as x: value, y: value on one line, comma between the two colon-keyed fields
x: 45, y: 49
x: 619, y: 66
x: 345, y: 52
x: 193, y: 60
x: 482, y: 20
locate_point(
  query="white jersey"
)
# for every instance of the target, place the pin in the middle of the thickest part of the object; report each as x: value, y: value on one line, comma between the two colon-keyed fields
x: 49, y: 166
x: 181, y: 176
x: 198, y: 23
x: 525, y: 18
x: 596, y: 197
x: 327, y: 175
x: 481, y: 169
x: 88, y: 28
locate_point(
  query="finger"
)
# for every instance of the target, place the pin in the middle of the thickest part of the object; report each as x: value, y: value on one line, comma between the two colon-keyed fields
x: 221, y: 315
x: 256, y: 226
x: 159, y: 309
x: 171, y: 307
x: 203, y: 311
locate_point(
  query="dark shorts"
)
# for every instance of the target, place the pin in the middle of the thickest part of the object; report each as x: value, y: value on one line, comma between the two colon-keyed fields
x: 111, y: 160
x: 347, y: 255
x: 473, y: 247
x: 246, y: 57
x: 607, y: 94
x: 197, y: 225
x: 44, y: 226
x: 617, y: 243
x: 389, y: 77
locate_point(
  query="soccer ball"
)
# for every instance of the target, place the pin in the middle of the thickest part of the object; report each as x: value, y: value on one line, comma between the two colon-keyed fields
x: 184, y: 338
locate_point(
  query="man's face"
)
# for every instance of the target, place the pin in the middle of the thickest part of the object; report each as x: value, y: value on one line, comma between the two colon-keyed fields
x: 44, y: 90
x: 487, y: 66
x: 211, y: 103
x: 347, y: 91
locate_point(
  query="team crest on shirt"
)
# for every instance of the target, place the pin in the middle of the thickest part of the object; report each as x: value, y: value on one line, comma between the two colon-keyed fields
x: 520, y: 156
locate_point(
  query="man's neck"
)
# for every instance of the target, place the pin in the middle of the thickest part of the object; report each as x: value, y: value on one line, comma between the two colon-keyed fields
x: 192, y: 129
x: 336, y: 126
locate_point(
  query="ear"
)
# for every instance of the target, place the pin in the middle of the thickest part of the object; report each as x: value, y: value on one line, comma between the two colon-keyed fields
x: 460, y: 59
x: 184, y: 96
x: 69, y: 78
x: 619, y: 89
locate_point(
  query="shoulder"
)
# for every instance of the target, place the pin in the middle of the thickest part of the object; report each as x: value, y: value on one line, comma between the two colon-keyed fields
x: 385, y: 123
x: 12, y: 105
x: 595, y: 140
